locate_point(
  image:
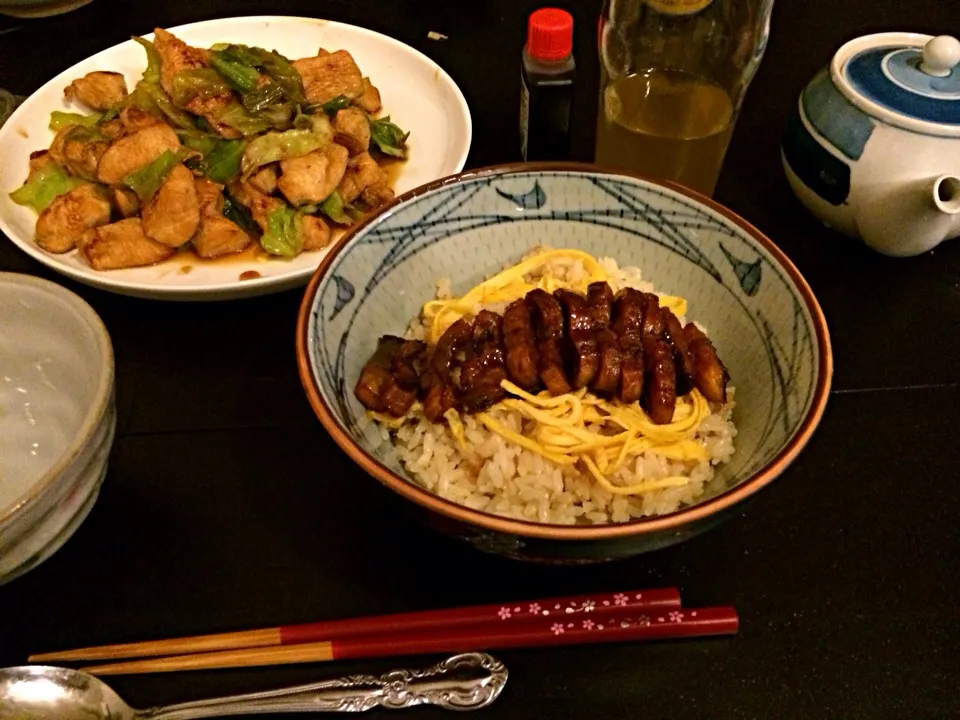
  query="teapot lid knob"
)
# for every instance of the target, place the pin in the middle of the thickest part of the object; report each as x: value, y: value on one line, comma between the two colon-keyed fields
x: 940, y: 56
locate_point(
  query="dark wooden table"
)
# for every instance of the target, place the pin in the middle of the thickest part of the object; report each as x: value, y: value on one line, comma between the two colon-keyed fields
x: 228, y: 507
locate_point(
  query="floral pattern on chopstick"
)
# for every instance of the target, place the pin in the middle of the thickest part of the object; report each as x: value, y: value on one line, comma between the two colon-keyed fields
x: 623, y: 623
x: 587, y: 605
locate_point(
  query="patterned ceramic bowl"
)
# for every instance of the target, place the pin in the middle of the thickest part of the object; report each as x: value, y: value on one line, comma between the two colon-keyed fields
x: 760, y: 312
x: 57, y: 417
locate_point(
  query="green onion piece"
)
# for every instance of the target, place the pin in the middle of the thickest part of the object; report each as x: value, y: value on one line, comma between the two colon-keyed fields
x: 338, y: 103
x: 272, y: 63
x: 201, y: 142
x: 148, y: 179
x: 243, y: 78
x: 152, y: 72
x: 269, y: 93
x: 60, y: 120
x: 220, y: 158
x: 222, y: 163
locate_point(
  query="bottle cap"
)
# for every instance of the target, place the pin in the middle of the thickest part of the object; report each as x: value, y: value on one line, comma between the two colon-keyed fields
x: 550, y: 34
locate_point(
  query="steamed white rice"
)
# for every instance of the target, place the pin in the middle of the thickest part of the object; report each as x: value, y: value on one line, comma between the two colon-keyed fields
x: 500, y: 477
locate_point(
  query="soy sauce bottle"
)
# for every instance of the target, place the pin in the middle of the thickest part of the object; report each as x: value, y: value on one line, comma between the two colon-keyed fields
x: 548, y: 76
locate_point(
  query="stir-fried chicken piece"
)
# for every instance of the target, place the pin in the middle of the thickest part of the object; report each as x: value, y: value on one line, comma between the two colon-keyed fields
x: 349, y: 188
x: 172, y: 215
x: 209, y: 196
x: 369, y: 100
x: 39, y: 159
x: 111, y: 129
x: 265, y: 179
x: 121, y: 245
x: 97, y: 90
x: 328, y: 76
x: 133, y: 118
x: 60, y: 226
x: 133, y: 152
x: 376, y: 195
x: 312, y: 177
x: 176, y: 56
x: 125, y: 200
x: 219, y: 236
x: 352, y: 130
x: 256, y: 202
x: 363, y: 172
x: 79, y: 150
x: 315, y: 232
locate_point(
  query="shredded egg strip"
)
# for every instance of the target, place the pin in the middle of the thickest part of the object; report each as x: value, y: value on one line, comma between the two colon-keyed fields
x: 573, y: 428
x: 512, y: 284
x: 567, y: 430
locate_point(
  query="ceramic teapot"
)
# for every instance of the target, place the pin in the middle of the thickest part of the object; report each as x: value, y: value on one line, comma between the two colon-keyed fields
x: 873, y: 147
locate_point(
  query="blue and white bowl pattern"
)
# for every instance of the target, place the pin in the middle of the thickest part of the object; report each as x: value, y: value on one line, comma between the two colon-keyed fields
x: 758, y: 313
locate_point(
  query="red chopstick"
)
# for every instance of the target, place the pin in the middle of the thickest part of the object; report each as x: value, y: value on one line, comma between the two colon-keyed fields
x: 618, y: 626
x: 496, y: 614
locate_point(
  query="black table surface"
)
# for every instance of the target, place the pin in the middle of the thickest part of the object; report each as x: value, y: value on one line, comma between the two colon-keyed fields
x: 228, y: 507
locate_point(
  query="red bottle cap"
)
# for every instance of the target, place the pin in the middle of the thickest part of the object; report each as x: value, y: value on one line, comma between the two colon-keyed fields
x: 550, y: 34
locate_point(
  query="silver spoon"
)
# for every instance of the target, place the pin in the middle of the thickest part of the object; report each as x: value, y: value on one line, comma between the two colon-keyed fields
x: 462, y: 682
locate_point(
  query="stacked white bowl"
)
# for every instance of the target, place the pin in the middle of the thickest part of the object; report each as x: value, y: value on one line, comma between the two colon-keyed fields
x: 57, y: 417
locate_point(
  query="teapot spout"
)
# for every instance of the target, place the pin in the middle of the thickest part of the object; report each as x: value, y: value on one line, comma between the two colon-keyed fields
x: 910, y: 219
x: 946, y: 194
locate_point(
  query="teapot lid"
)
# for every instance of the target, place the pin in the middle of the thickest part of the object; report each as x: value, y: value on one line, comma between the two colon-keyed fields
x: 906, y: 79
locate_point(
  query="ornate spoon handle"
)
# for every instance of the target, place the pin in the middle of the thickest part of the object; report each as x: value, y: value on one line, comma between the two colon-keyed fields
x: 462, y: 682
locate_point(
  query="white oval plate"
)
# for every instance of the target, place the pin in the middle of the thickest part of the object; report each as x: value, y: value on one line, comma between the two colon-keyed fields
x: 416, y: 92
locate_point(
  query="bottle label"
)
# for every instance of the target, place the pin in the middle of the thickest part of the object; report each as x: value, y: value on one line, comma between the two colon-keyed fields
x: 524, y: 116
x: 678, y: 7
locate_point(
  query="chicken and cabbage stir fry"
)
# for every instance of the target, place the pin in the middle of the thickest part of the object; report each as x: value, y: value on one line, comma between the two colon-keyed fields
x: 212, y: 150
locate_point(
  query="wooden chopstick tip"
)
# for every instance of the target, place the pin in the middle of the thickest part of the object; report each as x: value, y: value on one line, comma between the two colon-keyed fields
x: 264, y: 637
